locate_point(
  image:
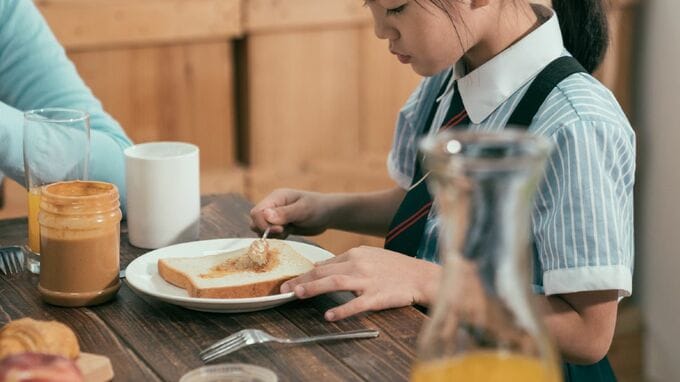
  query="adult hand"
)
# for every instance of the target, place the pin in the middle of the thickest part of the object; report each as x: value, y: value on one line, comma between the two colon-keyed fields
x: 381, y: 279
x: 288, y: 211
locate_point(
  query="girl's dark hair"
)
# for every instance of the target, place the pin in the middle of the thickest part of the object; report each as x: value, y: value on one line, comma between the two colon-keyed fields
x: 584, y: 29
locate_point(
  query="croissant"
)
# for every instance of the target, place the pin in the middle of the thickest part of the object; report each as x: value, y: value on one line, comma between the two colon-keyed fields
x: 29, y: 335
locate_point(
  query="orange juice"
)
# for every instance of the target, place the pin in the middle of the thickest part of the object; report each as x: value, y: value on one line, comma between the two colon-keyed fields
x: 33, y: 226
x: 486, y: 367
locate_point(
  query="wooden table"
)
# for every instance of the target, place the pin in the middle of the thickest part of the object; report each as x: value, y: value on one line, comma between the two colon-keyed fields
x: 148, y: 340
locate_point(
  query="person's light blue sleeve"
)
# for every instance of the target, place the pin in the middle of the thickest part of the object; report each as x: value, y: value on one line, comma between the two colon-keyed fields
x: 35, y: 73
x: 583, y: 220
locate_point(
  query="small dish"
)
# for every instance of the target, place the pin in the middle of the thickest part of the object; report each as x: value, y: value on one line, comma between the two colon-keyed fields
x: 235, y: 372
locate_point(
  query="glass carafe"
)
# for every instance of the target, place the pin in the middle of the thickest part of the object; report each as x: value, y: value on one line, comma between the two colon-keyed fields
x: 483, y: 324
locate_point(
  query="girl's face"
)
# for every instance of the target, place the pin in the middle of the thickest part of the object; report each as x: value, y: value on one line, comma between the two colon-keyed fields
x: 423, y: 35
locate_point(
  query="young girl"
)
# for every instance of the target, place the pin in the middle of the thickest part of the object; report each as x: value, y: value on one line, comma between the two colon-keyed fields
x: 499, y: 61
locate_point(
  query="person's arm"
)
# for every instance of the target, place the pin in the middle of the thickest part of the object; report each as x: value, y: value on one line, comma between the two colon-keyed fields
x: 287, y: 211
x: 369, y: 213
x: 582, y: 324
x: 35, y: 73
x: 583, y: 229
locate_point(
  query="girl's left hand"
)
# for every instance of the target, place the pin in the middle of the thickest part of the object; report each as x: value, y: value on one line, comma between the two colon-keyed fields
x: 381, y: 279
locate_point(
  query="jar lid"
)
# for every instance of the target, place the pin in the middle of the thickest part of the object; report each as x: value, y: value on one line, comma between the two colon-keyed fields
x: 237, y: 372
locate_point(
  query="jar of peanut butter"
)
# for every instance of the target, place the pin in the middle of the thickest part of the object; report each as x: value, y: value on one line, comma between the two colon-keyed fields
x: 80, y: 243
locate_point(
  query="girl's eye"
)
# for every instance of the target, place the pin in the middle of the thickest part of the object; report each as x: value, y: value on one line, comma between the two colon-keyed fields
x: 396, y: 11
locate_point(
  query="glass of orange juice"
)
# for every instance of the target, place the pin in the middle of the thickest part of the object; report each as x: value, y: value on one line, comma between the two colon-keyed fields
x: 56, y: 148
x: 484, y: 325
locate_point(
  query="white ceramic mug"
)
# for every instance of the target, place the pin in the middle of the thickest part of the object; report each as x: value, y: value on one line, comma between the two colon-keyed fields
x: 163, y: 193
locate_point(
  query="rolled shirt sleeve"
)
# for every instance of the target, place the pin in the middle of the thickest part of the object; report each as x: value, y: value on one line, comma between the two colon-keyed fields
x: 583, y: 215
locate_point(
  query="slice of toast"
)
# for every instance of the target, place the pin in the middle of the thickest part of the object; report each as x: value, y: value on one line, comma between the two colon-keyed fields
x: 233, y: 274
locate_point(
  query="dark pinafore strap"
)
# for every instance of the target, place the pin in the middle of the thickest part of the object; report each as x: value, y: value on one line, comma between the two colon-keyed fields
x: 407, y: 227
x: 408, y: 224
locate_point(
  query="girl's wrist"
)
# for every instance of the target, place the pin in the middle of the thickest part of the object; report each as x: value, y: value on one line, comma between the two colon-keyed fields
x: 333, y: 206
x: 429, y: 284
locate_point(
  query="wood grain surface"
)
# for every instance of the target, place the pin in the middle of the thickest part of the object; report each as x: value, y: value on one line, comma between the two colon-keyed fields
x: 150, y: 340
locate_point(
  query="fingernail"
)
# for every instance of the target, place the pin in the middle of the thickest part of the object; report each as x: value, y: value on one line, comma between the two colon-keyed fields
x: 300, y: 291
x: 285, y: 288
x: 329, y: 315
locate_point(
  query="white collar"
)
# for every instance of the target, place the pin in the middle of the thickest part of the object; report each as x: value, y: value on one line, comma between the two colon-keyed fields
x: 486, y: 88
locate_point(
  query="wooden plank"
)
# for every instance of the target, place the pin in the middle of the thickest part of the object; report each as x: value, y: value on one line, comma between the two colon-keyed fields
x: 270, y: 15
x: 303, y: 84
x: 624, y: 49
x: 169, y: 339
x: 180, y: 92
x: 87, y: 24
x: 340, y: 88
x: 220, y: 181
x: 19, y: 298
x: 396, y: 349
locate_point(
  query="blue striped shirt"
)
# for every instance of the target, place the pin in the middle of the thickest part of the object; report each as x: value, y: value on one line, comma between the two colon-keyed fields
x: 582, y: 218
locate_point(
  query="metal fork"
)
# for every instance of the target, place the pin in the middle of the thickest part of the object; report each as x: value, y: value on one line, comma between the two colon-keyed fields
x: 247, y: 337
x: 11, y: 259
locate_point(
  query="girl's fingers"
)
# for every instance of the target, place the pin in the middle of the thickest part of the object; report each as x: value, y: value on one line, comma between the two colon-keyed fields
x: 357, y: 305
x: 259, y: 222
x: 317, y: 273
x: 328, y: 284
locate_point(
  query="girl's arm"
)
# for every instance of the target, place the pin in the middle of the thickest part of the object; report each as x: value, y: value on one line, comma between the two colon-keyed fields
x: 288, y: 211
x: 582, y: 324
x: 369, y: 213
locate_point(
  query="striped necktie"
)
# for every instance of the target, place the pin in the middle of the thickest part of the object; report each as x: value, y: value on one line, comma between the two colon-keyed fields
x: 407, y: 227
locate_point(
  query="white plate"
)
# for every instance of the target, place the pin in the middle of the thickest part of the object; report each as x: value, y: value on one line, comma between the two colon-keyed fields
x: 142, y: 276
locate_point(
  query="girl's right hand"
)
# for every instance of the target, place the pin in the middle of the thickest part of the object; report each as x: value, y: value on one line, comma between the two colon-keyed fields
x: 287, y: 211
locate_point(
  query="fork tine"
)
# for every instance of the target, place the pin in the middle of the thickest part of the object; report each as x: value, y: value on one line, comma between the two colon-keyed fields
x: 21, y: 258
x: 4, y: 263
x: 223, y: 343
x: 225, y: 340
x: 14, y: 265
x: 10, y: 262
x: 222, y: 351
x: 240, y: 341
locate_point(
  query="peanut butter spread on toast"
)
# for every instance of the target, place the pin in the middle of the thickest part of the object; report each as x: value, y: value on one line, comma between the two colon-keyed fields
x: 243, y: 263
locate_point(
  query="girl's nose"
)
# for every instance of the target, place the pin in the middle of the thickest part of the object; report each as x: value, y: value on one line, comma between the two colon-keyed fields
x: 383, y: 30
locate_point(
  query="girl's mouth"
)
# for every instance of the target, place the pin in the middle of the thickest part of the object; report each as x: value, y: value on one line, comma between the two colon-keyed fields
x: 404, y: 59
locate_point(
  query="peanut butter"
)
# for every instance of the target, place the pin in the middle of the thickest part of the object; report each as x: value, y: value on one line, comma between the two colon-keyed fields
x: 243, y: 263
x: 80, y: 243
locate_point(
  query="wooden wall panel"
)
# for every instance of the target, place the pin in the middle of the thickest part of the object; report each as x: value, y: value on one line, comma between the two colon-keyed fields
x: 270, y: 15
x: 168, y: 92
x: 93, y: 24
x: 303, y: 96
x: 617, y: 69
